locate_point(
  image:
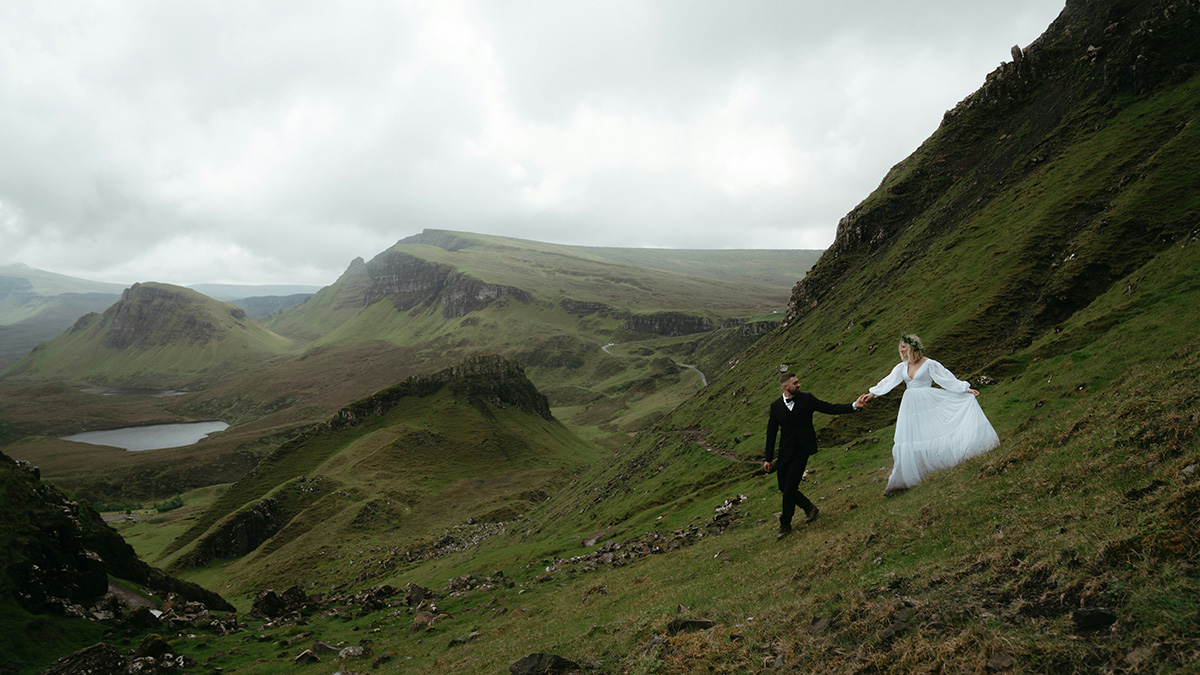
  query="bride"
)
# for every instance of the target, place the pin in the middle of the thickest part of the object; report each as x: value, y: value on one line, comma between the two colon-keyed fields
x: 935, y: 428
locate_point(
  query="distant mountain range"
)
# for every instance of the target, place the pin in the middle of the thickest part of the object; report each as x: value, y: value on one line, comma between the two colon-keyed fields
x: 36, y: 305
x: 440, y: 297
x: 1045, y: 244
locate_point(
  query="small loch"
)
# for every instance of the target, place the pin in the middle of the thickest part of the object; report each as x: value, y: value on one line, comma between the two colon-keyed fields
x: 152, y: 437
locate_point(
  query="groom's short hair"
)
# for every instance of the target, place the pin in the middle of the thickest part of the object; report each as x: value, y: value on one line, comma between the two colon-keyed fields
x: 786, y: 376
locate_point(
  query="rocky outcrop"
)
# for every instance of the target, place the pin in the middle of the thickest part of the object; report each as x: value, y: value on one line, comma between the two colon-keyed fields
x: 751, y: 329
x: 583, y: 307
x: 669, y: 324
x: 493, y: 379
x: 100, y: 659
x: 1095, y: 60
x: 153, y: 316
x: 409, y: 283
x: 239, y: 535
x: 465, y: 294
x: 59, y: 553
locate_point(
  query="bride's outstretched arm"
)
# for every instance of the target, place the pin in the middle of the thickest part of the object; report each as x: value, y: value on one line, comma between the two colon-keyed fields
x: 890, y: 382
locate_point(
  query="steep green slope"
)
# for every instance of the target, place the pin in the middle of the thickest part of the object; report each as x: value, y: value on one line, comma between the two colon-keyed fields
x: 446, y: 295
x: 56, y: 561
x: 421, y: 286
x: 1044, y: 243
x: 158, y: 335
x: 430, y: 463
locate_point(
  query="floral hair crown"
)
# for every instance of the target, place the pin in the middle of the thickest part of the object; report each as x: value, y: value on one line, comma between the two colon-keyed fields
x: 908, y: 339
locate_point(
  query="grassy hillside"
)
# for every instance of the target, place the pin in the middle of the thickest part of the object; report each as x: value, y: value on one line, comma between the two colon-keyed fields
x: 455, y: 454
x: 448, y: 295
x: 158, y: 335
x: 1044, y: 243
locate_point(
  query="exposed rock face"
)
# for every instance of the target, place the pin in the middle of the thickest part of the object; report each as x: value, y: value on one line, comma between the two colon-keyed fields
x: 465, y: 294
x: 410, y: 282
x: 543, y: 664
x: 149, y: 316
x: 99, y: 659
x: 59, y: 553
x: 243, y: 533
x: 583, y: 307
x: 1095, y: 55
x: 668, y: 323
x: 481, y: 378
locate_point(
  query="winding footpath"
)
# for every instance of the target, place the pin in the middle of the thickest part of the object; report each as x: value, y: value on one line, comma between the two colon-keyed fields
x: 703, y: 379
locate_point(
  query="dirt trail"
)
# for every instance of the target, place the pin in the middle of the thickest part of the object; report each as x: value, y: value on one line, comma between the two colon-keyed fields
x: 129, y: 598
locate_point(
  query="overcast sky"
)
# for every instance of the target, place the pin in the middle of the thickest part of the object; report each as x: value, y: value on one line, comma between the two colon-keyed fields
x: 273, y: 142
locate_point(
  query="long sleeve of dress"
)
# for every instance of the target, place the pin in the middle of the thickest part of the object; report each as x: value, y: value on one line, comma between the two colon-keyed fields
x: 890, y: 382
x: 946, y: 379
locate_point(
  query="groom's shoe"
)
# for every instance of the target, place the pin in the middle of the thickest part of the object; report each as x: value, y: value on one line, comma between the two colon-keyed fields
x: 783, y: 532
x: 812, y: 513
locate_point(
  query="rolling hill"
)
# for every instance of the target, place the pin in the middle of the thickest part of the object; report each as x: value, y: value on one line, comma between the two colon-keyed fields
x: 1043, y: 242
x: 36, y: 305
x: 158, y: 336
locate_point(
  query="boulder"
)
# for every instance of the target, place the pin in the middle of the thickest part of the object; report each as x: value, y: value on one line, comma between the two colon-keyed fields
x: 542, y: 664
x: 99, y: 659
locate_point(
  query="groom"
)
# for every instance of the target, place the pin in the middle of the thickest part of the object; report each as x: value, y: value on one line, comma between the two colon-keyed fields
x: 792, y: 414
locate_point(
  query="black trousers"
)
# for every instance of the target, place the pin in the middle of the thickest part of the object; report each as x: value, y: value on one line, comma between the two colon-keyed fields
x: 788, y: 473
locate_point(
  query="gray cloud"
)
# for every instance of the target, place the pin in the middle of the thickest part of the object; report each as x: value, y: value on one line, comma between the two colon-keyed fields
x: 275, y: 141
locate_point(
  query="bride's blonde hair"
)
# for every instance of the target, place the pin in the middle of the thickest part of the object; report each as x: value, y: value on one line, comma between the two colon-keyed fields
x: 914, y: 343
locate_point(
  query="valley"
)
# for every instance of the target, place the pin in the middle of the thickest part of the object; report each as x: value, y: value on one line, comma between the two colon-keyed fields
x: 470, y: 450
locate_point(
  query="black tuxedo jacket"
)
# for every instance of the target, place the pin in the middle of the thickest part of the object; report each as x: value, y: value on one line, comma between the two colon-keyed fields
x: 797, y: 438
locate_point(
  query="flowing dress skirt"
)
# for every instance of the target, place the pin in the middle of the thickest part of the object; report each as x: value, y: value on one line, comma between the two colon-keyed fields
x: 936, y: 429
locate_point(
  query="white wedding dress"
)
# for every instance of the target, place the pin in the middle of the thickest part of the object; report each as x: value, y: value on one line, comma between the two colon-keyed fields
x: 935, y: 428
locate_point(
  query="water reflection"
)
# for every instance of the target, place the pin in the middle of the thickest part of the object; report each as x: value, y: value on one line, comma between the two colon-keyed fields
x: 152, y: 437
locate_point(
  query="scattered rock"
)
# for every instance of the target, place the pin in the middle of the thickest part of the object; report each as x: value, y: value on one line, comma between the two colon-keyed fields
x: 465, y: 639
x: 306, y: 657
x: 423, y: 620
x: 153, y: 645
x: 542, y: 664
x: 818, y: 625
x: 138, y: 620
x: 1000, y: 661
x: 100, y: 659
x: 321, y: 648
x: 354, y: 652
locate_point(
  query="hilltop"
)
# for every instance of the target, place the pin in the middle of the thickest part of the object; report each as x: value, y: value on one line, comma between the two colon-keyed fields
x: 439, y: 461
x: 559, y: 310
x: 156, y: 335
x: 1043, y: 242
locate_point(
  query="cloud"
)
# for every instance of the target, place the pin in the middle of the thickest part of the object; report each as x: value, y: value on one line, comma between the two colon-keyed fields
x: 275, y: 141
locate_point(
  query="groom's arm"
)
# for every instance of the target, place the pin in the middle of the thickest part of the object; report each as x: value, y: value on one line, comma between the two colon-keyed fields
x: 833, y: 408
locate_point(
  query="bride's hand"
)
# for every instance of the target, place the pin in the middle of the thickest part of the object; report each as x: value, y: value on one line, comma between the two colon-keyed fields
x: 972, y: 392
